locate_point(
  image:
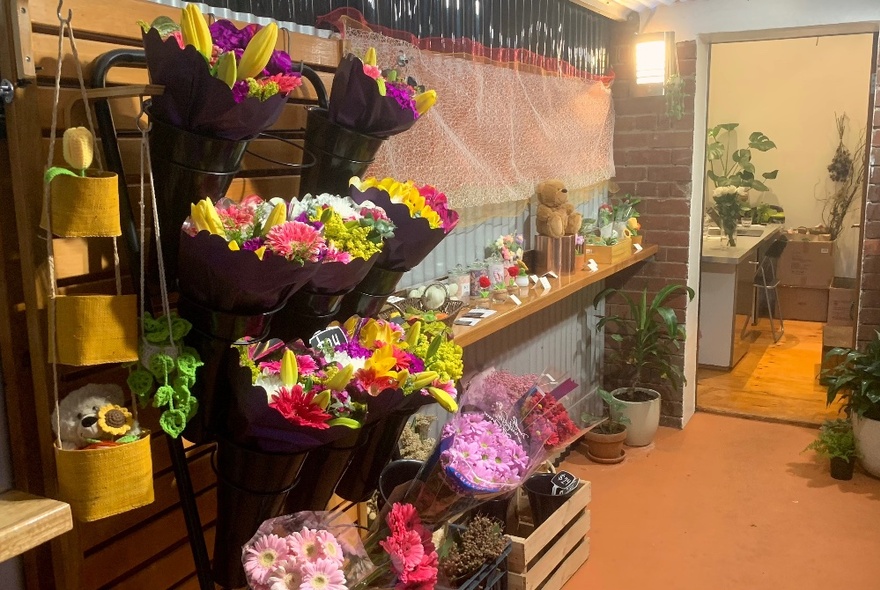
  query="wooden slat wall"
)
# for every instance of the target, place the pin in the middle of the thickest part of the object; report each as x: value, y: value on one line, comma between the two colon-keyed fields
x: 145, y: 548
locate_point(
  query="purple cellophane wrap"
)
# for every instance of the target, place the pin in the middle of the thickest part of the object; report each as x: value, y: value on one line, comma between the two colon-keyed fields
x: 236, y: 281
x: 257, y: 426
x: 196, y: 101
x: 355, y: 103
x: 413, y: 237
x: 333, y: 278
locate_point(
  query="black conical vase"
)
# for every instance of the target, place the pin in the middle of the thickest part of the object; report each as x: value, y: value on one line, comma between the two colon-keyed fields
x: 304, y: 314
x: 252, y: 487
x: 376, y: 450
x: 212, y: 336
x: 187, y: 167
x: 339, y: 153
x: 370, y: 295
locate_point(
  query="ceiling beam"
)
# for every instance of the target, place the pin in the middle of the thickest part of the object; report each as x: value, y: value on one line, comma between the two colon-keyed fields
x: 607, y: 8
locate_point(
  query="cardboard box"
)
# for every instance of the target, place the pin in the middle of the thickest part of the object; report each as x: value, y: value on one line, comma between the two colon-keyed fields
x: 609, y: 254
x: 806, y: 263
x: 803, y: 303
x: 841, y: 302
x: 835, y: 337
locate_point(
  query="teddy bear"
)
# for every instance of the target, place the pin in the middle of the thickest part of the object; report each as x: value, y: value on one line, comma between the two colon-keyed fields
x: 556, y: 216
x: 80, y: 419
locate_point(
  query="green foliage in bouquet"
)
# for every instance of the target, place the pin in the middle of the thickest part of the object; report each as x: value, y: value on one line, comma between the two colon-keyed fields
x: 166, y: 371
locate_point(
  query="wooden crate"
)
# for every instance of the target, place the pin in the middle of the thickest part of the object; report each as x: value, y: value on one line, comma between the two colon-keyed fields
x: 548, y: 556
x: 609, y: 254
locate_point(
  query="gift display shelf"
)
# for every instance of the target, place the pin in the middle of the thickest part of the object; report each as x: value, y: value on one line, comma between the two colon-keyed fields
x: 27, y: 521
x: 538, y: 299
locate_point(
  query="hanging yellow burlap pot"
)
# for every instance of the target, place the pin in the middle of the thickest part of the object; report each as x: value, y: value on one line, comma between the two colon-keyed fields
x: 96, y: 329
x: 102, y: 482
x: 84, y: 206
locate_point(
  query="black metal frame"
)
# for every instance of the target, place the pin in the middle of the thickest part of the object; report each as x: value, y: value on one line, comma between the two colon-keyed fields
x: 113, y: 162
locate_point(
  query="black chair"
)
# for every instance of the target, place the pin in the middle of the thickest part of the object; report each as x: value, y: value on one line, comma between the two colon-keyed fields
x: 765, y: 283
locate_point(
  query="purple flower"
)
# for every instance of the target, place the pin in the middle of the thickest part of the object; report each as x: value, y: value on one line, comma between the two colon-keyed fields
x: 240, y: 91
x: 252, y: 244
x: 354, y: 350
x: 402, y: 94
x: 227, y: 36
x: 279, y: 63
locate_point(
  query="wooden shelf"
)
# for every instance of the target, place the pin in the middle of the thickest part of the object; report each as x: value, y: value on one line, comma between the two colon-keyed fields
x: 27, y: 521
x: 508, y: 313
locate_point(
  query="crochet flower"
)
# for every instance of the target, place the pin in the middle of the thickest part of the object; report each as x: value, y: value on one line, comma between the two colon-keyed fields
x: 298, y: 407
x: 115, y: 420
x: 262, y: 558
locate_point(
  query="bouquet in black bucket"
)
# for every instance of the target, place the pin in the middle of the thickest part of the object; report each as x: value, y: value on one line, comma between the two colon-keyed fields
x: 354, y: 234
x: 287, y: 403
x: 368, y: 104
x: 423, y: 219
x: 222, y: 87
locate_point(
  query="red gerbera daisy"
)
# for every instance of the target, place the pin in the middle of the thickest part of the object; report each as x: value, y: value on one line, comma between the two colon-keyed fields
x: 298, y: 408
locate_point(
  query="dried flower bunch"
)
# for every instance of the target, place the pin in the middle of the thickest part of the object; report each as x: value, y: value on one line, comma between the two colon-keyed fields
x: 846, y: 171
x: 414, y: 441
x: 842, y: 163
x: 481, y: 542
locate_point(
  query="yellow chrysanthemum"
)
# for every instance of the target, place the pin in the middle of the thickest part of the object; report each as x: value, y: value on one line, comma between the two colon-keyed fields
x: 115, y: 420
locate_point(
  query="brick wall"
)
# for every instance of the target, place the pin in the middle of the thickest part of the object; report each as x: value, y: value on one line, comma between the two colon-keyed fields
x: 869, y: 298
x: 652, y: 155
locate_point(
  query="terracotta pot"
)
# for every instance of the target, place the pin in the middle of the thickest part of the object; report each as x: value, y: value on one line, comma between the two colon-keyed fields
x: 604, y: 448
x: 580, y: 261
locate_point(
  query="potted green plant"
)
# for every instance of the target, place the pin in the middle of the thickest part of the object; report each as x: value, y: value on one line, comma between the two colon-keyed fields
x: 604, y: 443
x: 735, y: 168
x: 649, y: 336
x: 854, y: 381
x: 837, y: 442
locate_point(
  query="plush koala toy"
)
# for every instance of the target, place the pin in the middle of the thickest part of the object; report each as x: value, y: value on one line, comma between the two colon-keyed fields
x: 556, y: 217
x: 78, y: 413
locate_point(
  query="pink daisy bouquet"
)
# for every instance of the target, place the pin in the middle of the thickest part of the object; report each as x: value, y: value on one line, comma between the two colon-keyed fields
x: 219, y: 80
x: 501, y: 436
x: 507, y: 247
x: 246, y: 257
x: 306, y: 551
x: 291, y: 398
x: 412, y: 364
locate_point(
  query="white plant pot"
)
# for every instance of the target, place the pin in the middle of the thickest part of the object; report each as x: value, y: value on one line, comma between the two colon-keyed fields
x: 644, y: 417
x: 867, y: 434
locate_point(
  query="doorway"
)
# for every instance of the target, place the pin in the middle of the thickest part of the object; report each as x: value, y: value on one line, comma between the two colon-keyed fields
x: 794, y: 101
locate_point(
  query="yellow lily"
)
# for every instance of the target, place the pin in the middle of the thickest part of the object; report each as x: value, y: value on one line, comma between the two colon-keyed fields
x: 234, y: 246
x: 227, y: 69
x: 425, y: 101
x: 205, y: 216
x: 402, y: 378
x: 276, y: 217
x: 258, y: 52
x: 340, y: 379
x: 373, y: 332
x: 347, y: 422
x: 322, y: 400
x: 194, y: 29
x: 444, y: 399
x: 412, y: 338
x: 382, y: 361
x: 289, y: 368
x: 260, y: 252
x: 424, y: 379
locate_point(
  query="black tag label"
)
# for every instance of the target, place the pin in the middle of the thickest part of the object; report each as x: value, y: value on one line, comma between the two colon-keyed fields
x: 335, y: 336
x: 563, y: 482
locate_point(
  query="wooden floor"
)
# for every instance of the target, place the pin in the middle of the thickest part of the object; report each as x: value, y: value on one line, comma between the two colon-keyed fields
x: 772, y: 381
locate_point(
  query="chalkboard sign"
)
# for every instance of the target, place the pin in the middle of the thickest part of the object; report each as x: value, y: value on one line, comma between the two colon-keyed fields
x: 335, y: 336
x: 563, y: 482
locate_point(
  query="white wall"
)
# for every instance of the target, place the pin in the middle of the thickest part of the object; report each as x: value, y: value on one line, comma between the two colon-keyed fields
x: 790, y: 89
x: 695, y: 17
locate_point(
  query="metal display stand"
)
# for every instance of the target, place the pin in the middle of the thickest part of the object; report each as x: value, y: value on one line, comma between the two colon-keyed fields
x: 107, y: 131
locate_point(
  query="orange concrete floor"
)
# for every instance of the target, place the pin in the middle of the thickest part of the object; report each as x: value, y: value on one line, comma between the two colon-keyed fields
x: 728, y: 503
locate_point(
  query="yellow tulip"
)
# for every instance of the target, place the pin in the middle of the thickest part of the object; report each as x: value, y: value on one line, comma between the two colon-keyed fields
x: 78, y: 147
x: 425, y: 101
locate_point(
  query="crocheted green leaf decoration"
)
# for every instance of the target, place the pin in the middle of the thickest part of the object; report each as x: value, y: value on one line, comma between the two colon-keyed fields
x: 181, y: 396
x: 128, y: 438
x: 163, y: 396
x: 159, y: 334
x: 192, y: 408
x: 184, y: 381
x: 161, y: 366
x: 140, y: 381
x: 179, y: 328
x: 173, y: 422
x: 151, y: 324
x: 187, y: 364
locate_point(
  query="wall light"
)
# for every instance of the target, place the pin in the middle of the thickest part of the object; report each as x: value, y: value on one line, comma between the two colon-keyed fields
x: 655, y: 55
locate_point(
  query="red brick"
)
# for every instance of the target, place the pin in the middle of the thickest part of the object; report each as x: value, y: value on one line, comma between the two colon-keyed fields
x: 630, y: 173
x: 686, y: 50
x: 869, y: 319
x: 874, y: 193
x: 676, y: 254
x: 681, y: 156
x: 654, y: 157
x: 870, y: 299
x: 651, y: 207
x: 635, y: 122
x: 664, y: 222
x: 661, y: 139
x: 652, y: 190
x: 668, y: 270
x: 670, y: 238
x: 871, y: 247
x: 687, y: 67
x: 872, y: 230
x: 875, y: 138
x: 627, y: 187
x: 640, y: 105
x: 669, y: 173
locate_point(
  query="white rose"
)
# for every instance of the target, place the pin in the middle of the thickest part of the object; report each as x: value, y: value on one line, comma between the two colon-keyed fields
x: 718, y: 191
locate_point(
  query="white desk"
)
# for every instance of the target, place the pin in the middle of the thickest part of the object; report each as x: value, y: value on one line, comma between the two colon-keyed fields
x: 726, y: 295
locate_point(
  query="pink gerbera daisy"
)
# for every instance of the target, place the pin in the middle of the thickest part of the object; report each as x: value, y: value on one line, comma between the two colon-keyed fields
x: 295, y: 241
x: 298, y: 408
x: 329, y: 547
x: 263, y: 556
x: 405, y: 550
x: 323, y: 574
x: 304, y: 544
x: 306, y: 364
x: 286, y: 576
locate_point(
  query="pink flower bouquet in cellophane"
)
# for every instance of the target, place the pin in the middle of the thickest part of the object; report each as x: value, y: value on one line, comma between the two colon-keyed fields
x: 500, y: 437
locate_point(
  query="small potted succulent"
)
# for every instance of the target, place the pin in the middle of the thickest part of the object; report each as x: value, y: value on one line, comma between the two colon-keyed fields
x: 837, y: 442
x: 604, y: 443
